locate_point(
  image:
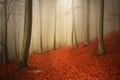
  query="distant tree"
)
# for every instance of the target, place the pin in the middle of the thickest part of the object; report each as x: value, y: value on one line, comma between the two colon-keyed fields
x: 55, y: 23
x: 74, y: 34
x: 113, y: 16
x: 5, y: 49
x: 7, y: 12
x: 27, y: 35
x: 14, y: 31
x: 41, y: 42
x: 1, y: 24
x: 101, y: 30
x: 87, y: 22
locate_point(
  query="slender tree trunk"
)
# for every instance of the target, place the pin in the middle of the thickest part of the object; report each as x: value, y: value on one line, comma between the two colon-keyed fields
x: 87, y: 22
x: 41, y: 45
x: 2, y: 35
x: 101, y: 30
x: 74, y: 27
x: 72, y: 39
x: 27, y: 35
x: 113, y: 5
x: 55, y: 24
x: 5, y: 50
x: 15, y: 41
x: 97, y: 21
x: 1, y: 43
x: 72, y: 23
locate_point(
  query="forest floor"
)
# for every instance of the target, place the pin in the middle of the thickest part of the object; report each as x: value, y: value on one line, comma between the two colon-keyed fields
x: 71, y: 64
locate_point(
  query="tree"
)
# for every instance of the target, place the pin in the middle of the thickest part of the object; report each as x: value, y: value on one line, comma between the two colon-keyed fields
x: 15, y: 41
x: 113, y: 16
x: 87, y: 22
x: 1, y: 24
x: 73, y: 26
x: 27, y: 35
x: 5, y: 49
x: 101, y: 30
x: 41, y: 45
x: 7, y: 6
x: 55, y: 24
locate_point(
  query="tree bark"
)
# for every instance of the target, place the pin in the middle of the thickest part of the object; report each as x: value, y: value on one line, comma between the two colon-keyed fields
x: 27, y: 35
x: 5, y: 46
x: 87, y: 22
x: 73, y: 27
x: 1, y: 42
x: 55, y: 24
x: 15, y: 41
x: 41, y: 42
x: 101, y: 30
x: 113, y: 16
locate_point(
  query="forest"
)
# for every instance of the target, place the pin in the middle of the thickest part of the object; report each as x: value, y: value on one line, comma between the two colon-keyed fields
x: 59, y: 39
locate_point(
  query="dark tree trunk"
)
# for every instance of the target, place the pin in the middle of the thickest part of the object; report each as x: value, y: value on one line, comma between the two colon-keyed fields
x: 55, y: 24
x: 27, y: 35
x: 73, y: 27
x: 1, y: 42
x: 101, y: 30
x: 5, y: 47
x: 41, y: 45
x: 87, y: 22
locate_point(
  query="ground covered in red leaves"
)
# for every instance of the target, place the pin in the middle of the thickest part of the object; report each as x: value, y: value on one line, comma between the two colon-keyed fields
x: 71, y: 64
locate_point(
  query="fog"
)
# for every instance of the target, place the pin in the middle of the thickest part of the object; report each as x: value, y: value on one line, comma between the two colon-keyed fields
x: 44, y: 18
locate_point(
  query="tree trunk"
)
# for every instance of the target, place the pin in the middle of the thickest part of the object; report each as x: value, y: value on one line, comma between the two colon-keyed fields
x: 73, y: 27
x: 101, y: 30
x: 1, y: 42
x: 41, y: 45
x: 113, y: 16
x: 55, y: 24
x: 27, y: 35
x: 87, y: 22
x: 15, y: 41
x: 5, y: 49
